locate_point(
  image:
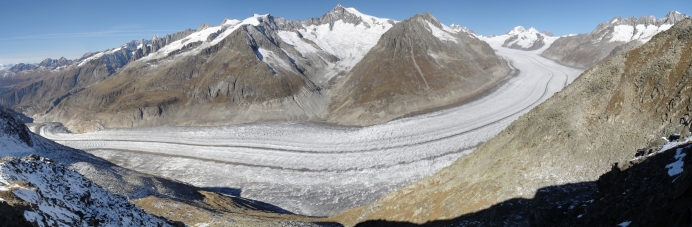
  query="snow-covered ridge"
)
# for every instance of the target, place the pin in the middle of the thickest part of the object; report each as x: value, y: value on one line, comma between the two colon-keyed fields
x: 641, y: 32
x: 639, y: 29
x: 226, y: 28
x: 4, y: 67
x: 348, y: 39
x: 63, y: 197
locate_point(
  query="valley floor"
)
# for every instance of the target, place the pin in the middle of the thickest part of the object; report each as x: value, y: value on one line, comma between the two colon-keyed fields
x: 318, y: 169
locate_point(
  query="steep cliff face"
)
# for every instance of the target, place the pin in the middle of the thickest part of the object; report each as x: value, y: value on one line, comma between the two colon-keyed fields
x: 612, y: 109
x: 608, y: 39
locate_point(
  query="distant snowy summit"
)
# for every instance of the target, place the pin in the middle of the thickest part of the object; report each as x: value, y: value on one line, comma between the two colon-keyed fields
x: 609, y: 39
x: 525, y: 39
x: 521, y: 38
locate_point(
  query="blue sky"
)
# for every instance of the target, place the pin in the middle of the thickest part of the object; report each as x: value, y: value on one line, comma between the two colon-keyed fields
x: 35, y: 30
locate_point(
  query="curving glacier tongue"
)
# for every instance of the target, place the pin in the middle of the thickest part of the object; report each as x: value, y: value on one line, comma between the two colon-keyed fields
x: 62, y: 197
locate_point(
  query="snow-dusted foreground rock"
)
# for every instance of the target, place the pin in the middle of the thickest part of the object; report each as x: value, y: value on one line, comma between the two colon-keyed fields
x: 318, y: 169
x: 63, y: 197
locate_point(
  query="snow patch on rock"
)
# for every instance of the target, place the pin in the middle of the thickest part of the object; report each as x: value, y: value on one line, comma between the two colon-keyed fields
x: 442, y: 34
x: 63, y: 197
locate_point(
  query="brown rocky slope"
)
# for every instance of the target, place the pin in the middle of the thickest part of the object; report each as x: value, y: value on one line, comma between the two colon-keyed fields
x: 602, y: 117
x: 34, y: 89
x: 410, y: 69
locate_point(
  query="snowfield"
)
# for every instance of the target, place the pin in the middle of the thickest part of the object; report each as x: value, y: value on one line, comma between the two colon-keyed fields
x: 315, y: 169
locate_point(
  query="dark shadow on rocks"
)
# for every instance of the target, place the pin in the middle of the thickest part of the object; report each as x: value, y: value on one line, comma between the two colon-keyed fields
x: 226, y: 191
x: 234, y: 194
x: 648, y: 191
x: 518, y: 211
x: 17, y: 115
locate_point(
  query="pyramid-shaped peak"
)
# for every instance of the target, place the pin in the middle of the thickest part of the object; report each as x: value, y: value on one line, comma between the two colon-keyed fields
x: 427, y: 17
x: 674, y: 16
x: 516, y: 30
x: 155, y: 37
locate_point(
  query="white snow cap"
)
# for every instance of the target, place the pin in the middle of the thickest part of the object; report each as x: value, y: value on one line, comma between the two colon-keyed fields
x: 519, y: 29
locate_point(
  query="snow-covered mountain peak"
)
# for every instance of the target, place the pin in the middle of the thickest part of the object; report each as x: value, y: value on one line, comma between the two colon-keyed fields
x: 520, y: 29
x: 522, y: 39
x: 516, y: 30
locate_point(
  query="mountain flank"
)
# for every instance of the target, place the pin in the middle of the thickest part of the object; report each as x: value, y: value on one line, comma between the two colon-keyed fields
x: 416, y: 65
x: 607, y: 113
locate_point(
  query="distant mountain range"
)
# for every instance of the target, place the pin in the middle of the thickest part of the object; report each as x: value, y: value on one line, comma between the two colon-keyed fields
x: 262, y: 68
x: 609, y: 39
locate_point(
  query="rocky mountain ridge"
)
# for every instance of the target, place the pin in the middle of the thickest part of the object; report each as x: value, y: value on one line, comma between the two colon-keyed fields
x: 260, y: 68
x: 609, y: 39
x: 37, y: 88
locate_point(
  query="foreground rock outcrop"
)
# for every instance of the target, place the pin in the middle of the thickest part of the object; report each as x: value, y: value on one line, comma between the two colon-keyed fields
x: 62, y: 197
x: 650, y: 190
x: 601, y: 118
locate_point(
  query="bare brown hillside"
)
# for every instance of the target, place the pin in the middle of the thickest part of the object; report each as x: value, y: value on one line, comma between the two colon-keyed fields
x: 410, y: 69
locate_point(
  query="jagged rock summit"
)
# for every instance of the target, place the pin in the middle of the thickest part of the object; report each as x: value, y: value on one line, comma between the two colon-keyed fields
x: 609, y: 39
